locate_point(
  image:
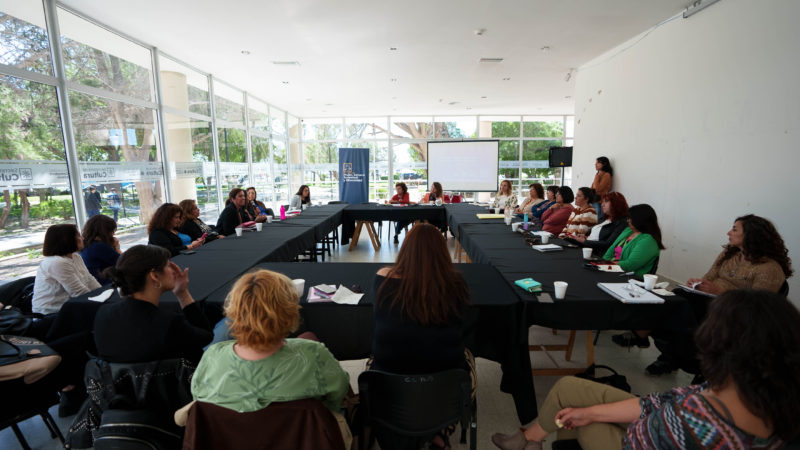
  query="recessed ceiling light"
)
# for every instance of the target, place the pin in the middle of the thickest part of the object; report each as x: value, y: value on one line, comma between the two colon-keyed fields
x: 393, y: 80
x: 308, y: 99
x: 491, y: 60
x: 545, y: 49
x: 245, y: 52
x: 483, y: 96
x: 480, y: 31
x: 506, y: 78
x: 393, y: 48
x: 469, y: 107
x: 567, y: 97
x: 453, y: 103
x: 285, y: 82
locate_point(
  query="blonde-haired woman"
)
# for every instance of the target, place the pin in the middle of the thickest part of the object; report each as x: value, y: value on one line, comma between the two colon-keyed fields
x: 261, y: 365
x: 505, y: 197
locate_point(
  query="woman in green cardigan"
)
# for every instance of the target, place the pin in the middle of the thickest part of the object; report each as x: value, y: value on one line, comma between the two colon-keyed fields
x: 638, y: 246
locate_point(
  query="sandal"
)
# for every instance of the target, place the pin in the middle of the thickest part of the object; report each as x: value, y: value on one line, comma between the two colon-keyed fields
x: 629, y: 339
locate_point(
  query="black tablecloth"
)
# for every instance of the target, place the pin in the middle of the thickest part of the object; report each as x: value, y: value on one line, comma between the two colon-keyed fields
x: 497, y: 333
x: 436, y: 215
x: 324, y: 219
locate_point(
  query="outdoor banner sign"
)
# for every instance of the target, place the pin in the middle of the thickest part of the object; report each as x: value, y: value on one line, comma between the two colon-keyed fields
x: 24, y: 174
x: 353, y: 175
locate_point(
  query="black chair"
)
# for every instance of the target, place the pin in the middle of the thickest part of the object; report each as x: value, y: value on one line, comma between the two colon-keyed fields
x: 18, y: 293
x: 409, y: 410
x: 22, y: 401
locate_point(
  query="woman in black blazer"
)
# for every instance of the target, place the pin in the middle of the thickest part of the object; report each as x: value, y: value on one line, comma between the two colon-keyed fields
x: 602, y: 235
x: 163, y: 230
x: 192, y: 226
x: 233, y: 215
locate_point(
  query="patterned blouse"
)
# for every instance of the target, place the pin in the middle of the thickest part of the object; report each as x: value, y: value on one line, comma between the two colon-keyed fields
x: 683, y: 419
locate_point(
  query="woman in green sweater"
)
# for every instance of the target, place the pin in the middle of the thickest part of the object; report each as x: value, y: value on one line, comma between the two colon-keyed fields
x: 638, y: 246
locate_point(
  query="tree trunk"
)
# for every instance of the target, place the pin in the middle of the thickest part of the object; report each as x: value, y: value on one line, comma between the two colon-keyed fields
x: 26, y: 209
x: 42, y: 195
x: 7, y: 209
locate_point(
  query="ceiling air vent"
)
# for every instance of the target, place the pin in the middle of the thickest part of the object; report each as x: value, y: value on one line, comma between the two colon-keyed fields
x: 491, y: 60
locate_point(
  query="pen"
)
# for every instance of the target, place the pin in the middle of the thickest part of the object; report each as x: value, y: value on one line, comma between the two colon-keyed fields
x: 626, y: 274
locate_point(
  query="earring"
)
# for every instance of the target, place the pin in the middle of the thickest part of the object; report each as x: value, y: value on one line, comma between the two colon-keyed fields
x: 159, y: 285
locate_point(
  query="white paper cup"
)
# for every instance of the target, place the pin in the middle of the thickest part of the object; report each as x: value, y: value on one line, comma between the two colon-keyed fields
x: 299, y: 286
x: 507, y: 220
x: 269, y: 219
x: 238, y: 231
x: 545, y: 238
x: 561, y: 289
x: 259, y: 226
x: 587, y: 252
x: 438, y: 202
x: 650, y: 281
x: 515, y: 227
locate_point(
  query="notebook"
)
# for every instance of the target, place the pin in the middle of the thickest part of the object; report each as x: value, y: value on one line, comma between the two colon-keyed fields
x: 547, y: 248
x: 629, y: 293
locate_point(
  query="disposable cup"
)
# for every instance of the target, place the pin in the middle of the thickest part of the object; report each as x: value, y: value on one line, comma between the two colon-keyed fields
x: 515, y: 227
x: 259, y: 226
x: 650, y: 281
x: 561, y: 289
x: 269, y: 219
x: 587, y: 253
x: 438, y: 202
x: 545, y: 238
x: 508, y: 220
x: 238, y: 231
x: 299, y: 286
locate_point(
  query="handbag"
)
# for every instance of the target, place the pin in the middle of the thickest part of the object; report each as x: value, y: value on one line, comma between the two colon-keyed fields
x: 14, y: 322
x: 614, y: 380
x: 26, y: 358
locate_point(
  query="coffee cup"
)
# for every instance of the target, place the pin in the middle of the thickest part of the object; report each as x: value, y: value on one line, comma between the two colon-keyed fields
x: 269, y: 219
x: 299, y: 286
x: 561, y: 289
x: 515, y: 227
x: 259, y: 226
x: 650, y: 281
x: 438, y: 202
x: 238, y: 231
x: 587, y: 252
x: 545, y: 238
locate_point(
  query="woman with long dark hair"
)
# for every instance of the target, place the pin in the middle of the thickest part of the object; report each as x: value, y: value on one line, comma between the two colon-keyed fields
x: 163, y: 230
x: 255, y: 208
x: 749, y: 349
x: 555, y: 218
x: 100, y: 247
x: 602, y: 235
x: 583, y: 216
x: 136, y: 329
x: 637, y: 248
x: 192, y: 225
x: 233, y: 215
x: 602, y: 182
x: 302, y: 198
x: 435, y: 193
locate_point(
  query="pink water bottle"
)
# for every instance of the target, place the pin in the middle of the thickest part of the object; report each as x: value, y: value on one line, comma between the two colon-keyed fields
x: 283, y: 213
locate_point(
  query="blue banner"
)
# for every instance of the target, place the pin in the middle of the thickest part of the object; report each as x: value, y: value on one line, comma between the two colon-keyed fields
x: 353, y: 175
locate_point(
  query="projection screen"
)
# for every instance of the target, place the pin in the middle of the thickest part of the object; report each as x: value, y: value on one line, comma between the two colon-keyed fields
x: 466, y: 166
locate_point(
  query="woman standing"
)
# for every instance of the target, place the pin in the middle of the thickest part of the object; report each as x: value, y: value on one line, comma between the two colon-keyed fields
x: 602, y: 181
x: 638, y: 246
x: 163, y: 230
x: 100, y: 247
x: 301, y: 199
x: 555, y: 218
x: 192, y: 226
x: 505, y: 197
x: 583, y: 217
x: 62, y: 273
x: 233, y: 215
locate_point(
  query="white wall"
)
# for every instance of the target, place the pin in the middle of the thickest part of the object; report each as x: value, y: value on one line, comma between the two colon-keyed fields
x: 701, y: 119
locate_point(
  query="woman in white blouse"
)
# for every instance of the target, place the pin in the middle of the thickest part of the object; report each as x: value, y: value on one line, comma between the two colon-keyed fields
x: 505, y: 196
x: 62, y: 274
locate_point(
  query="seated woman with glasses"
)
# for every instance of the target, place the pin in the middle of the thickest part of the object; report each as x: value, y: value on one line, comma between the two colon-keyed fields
x: 749, y: 349
x: 637, y: 248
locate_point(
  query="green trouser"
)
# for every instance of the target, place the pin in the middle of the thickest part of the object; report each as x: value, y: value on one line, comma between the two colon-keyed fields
x: 572, y: 392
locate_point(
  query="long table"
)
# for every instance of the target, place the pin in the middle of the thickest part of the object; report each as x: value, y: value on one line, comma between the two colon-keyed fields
x: 356, y: 217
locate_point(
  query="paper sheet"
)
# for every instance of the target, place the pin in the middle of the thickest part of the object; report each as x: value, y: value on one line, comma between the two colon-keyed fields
x: 344, y: 296
x: 610, y: 268
x: 103, y: 296
x: 490, y: 216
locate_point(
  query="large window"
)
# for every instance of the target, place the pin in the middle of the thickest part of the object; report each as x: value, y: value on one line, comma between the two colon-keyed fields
x: 23, y: 37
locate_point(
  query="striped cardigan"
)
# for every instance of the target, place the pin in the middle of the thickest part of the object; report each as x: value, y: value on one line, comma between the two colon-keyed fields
x: 580, y: 221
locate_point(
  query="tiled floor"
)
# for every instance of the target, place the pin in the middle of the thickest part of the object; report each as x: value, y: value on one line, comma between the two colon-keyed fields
x: 495, y: 409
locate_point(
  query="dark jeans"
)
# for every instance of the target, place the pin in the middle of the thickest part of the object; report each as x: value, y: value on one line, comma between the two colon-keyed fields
x: 92, y: 212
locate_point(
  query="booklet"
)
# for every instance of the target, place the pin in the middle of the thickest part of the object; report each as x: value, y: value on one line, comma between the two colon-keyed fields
x: 629, y: 293
x: 547, y: 248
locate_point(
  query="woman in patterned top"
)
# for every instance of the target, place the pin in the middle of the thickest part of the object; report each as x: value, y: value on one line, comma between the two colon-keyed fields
x: 749, y: 349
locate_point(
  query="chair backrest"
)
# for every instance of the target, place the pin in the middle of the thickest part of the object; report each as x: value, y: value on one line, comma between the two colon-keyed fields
x: 299, y: 424
x: 415, y: 405
x: 336, y: 202
x: 784, y: 290
x: 654, y: 269
x: 18, y: 293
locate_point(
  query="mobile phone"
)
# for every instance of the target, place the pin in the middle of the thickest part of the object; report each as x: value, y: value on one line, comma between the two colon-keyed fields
x: 188, y: 252
x: 204, y: 236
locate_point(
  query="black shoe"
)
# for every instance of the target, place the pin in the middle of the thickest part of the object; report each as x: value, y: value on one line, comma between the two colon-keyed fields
x: 71, y: 401
x: 396, y: 241
x: 629, y: 339
x: 660, y: 367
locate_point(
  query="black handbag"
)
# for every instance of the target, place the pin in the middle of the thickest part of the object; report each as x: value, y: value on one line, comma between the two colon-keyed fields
x: 14, y: 322
x: 614, y: 380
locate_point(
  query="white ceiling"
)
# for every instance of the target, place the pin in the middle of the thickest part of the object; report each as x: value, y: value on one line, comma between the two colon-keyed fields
x: 346, y: 66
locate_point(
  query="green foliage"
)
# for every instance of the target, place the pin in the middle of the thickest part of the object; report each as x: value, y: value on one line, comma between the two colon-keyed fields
x: 33, y: 253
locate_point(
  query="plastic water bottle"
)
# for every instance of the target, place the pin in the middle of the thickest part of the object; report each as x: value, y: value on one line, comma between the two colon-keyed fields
x: 283, y: 213
x: 525, y: 221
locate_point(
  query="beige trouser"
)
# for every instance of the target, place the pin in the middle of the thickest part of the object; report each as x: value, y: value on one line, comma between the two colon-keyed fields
x: 572, y: 392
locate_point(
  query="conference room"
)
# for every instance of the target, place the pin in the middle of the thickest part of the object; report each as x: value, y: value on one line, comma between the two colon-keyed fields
x: 117, y: 110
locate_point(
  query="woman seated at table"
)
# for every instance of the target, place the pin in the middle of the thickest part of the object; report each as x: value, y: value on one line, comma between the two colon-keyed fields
x: 100, y: 247
x: 192, y: 226
x: 638, y: 246
x: 754, y: 258
x: 233, y: 215
x: 62, y: 273
x: 302, y: 199
x: 583, y: 216
x: 419, y: 309
x: 256, y: 210
x: 535, y: 197
x: 750, y: 355
x: 602, y: 235
x: 135, y: 329
x: 505, y: 197
x: 163, y: 230
x: 263, y: 310
x: 555, y: 218
x: 436, y: 193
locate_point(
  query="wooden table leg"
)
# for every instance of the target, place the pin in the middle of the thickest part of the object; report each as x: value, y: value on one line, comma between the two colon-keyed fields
x: 457, y: 252
x: 356, y: 235
x: 373, y: 236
